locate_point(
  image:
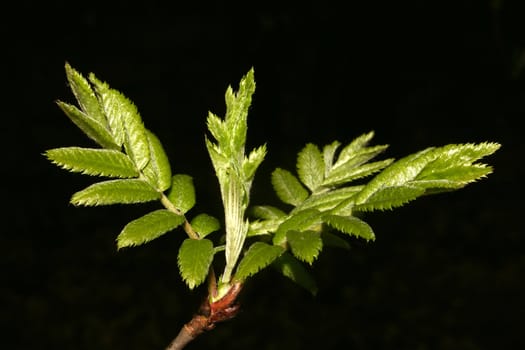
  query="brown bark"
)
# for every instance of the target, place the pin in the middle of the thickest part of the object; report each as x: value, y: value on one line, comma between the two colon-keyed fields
x: 208, y: 316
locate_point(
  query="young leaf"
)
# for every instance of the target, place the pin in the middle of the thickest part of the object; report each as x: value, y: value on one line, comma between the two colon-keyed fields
x: 158, y: 170
x: 432, y: 164
x: 92, y: 161
x: 194, y: 260
x: 328, y: 200
x: 125, y: 122
x: 288, y: 187
x: 328, y: 156
x: 390, y: 197
x: 350, y: 225
x: 267, y: 212
x: 253, y: 161
x: 310, y: 166
x: 349, y: 151
x: 305, y: 245
x: 300, y: 221
x: 114, y: 192
x: 182, y: 192
x: 263, y: 227
x: 258, y: 256
x: 91, y: 127
x: 294, y: 270
x: 349, y: 172
x: 85, y: 96
x: 148, y: 227
x: 111, y: 109
x: 205, y: 224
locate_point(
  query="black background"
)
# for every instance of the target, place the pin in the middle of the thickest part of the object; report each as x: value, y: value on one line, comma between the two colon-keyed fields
x: 445, y: 272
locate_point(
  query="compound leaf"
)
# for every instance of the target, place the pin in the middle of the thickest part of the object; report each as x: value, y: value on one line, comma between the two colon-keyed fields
x: 350, y: 225
x: 91, y: 161
x: 310, y: 166
x: 148, y: 227
x: 158, y: 170
x: 288, y: 187
x: 205, y: 224
x: 257, y: 257
x: 114, y: 192
x: 182, y: 192
x: 450, y: 162
x: 94, y: 129
x: 305, y: 245
x: 294, y: 270
x: 194, y: 260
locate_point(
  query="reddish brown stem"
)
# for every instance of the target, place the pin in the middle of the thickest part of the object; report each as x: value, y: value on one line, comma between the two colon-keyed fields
x: 209, y: 314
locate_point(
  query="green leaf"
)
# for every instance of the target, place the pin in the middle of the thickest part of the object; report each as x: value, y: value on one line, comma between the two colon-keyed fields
x: 257, y: 257
x: 294, y: 270
x: 350, y: 225
x: 194, y: 260
x: 253, y: 161
x: 349, y: 172
x: 114, y: 192
x: 451, y: 162
x: 148, y: 227
x: 310, y: 166
x: 91, y: 127
x: 267, y: 212
x: 85, y: 96
x: 92, y: 161
x: 305, y: 245
x: 328, y: 156
x: 111, y: 108
x: 125, y: 122
x: 158, y: 170
x: 237, y: 105
x: 263, y: 227
x: 329, y: 200
x: 307, y: 219
x: 205, y: 224
x: 390, y: 197
x: 349, y: 152
x: 288, y: 187
x: 182, y: 192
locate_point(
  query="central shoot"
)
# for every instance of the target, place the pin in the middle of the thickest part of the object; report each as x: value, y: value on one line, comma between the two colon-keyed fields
x: 235, y: 171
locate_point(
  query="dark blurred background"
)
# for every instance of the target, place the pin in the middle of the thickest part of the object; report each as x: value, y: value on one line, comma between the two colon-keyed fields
x: 445, y: 272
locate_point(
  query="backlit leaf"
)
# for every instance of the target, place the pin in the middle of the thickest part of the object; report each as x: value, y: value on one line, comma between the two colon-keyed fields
x: 307, y: 219
x: 92, y: 161
x: 114, y: 192
x: 350, y: 225
x: 148, y: 227
x: 305, y: 245
x: 267, y: 212
x: 94, y: 129
x: 310, y: 166
x: 194, y: 260
x: 205, y: 224
x: 288, y: 187
x: 158, y: 170
x: 182, y: 192
x: 257, y: 257
x: 85, y: 96
x: 390, y: 197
